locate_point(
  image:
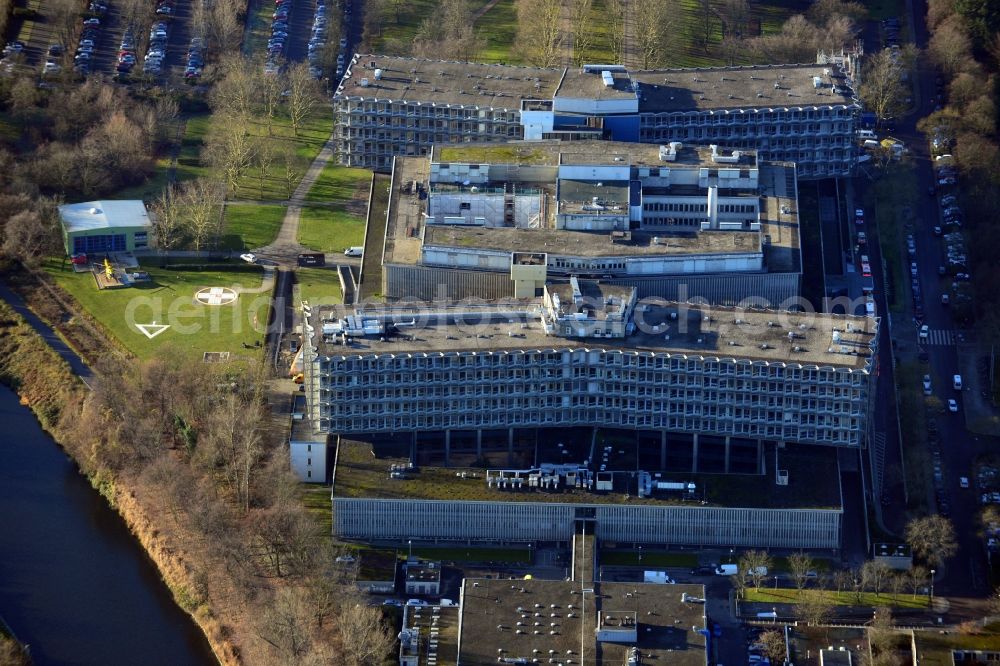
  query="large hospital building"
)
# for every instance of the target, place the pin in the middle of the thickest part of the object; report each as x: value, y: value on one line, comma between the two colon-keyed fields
x: 675, y: 221
x: 386, y: 106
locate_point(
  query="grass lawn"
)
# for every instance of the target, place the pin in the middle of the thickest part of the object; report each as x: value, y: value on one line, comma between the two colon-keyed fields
x: 189, y: 164
x: 312, y: 135
x: 316, y: 500
x: 781, y: 564
x: 630, y: 558
x: 340, y: 184
x: 169, y: 299
x: 250, y: 226
x: 498, y: 27
x: 330, y: 229
x: 319, y: 286
x: 399, y: 26
x: 473, y: 554
x: 892, y: 198
x: 783, y: 595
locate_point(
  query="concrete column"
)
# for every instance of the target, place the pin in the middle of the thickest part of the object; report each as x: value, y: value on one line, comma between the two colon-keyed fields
x: 760, y: 458
x: 479, y: 443
x: 447, y: 447
x: 694, y: 453
x: 413, y: 448
x: 510, y: 446
x: 663, y: 449
x: 727, y: 454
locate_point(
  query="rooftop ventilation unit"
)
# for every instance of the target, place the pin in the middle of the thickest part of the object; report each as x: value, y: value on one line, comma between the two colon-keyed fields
x: 608, y: 79
x: 364, y: 83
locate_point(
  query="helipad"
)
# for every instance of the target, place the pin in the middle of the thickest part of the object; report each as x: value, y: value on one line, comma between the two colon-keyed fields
x: 215, y: 296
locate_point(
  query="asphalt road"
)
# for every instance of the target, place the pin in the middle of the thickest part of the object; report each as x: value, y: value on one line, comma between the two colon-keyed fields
x: 965, y: 574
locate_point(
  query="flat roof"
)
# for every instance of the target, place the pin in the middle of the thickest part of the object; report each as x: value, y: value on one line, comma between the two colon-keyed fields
x: 104, y: 214
x: 435, y: 629
x: 806, y: 339
x: 601, y: 300
x: 480, y: 85
x: 407, y: 232
x: 363, y: 467
x: 747, y: 87
x: 553, y: 617
x: 590, y: 85
x: 442, y: 82
x: 566, y: 242
x: 610, y: 153
x: 423, y: 571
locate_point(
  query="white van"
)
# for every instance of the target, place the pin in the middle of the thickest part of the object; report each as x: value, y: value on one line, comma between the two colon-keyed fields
x: 727, y: 570
x: 355, y: 251
x: 956, y: 382
x: 866, y: 134
x: 870, y: 144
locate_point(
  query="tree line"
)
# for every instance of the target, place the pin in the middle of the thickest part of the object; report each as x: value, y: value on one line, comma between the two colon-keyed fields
x: 199, y: 445
x: 647, y: 32
x: 964, y: 48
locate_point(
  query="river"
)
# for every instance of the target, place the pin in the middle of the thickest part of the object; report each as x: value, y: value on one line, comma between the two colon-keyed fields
x: 75, y: 585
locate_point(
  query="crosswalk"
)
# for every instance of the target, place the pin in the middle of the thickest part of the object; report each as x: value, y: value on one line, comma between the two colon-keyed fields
x: 941, y: 337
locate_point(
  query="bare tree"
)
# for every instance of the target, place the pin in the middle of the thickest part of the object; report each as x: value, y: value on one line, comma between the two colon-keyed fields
x: 235, y: 94
x: 293, y: 167
x: 169, y: 230
x: 539, y: 31
x: 951, y: 48
x: 880, y: 631
x: 705, y: 25
x: 815, y: 609
x: 230, y: 151
x: 285, y: 626
x: 755, y: 564
x: 739, y: 583
x: 800, y: 566
x: 772, y: 645
x: 874, y: 574
x: 841, y: 580
x: 30, y: 235
x: 265, y: 153
x: 896, y: 583
x: 304, y: 95
x: 582, y: 29
x: 202, y: 202
x: 916, y: 578
x: 363, y: 635
x: 614, y: 11
x: 881, y: 86
x: 932, y: 539
x: 448, y: 33
x: 654, y: 21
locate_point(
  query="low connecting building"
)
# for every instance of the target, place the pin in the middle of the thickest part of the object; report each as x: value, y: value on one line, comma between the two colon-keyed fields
x: 569, y: 622
x: 674, y: 221
x: 386, y: 106
x: 423, y: 578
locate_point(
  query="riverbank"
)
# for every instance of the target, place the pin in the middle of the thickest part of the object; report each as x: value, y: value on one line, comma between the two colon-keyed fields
x: 45, y: 384
x: 194, y: 458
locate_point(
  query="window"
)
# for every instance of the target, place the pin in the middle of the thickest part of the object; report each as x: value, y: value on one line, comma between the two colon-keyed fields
x: 465, y: 205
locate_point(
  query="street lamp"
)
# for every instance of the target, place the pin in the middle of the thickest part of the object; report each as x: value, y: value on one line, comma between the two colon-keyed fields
x: 640, y: 555
x: 409, y: 543
x: 932, y: 585
x: 731, y: 551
